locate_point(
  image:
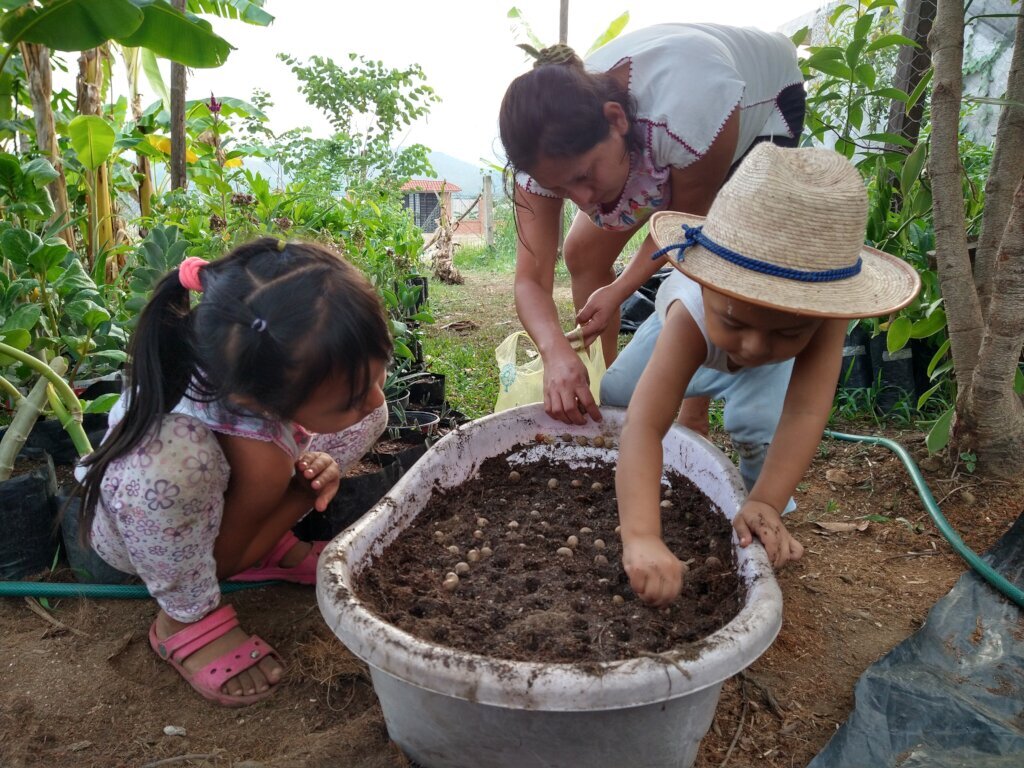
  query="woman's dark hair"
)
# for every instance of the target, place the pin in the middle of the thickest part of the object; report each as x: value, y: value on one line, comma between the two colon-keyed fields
x: 274, y: 322
x: 557, y: 110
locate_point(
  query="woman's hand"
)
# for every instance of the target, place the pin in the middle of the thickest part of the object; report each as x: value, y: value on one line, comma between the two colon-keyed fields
x: 317, y: 474
x: 762, y: 520
x: 601, y: 308
x: 567, y: 395
x: 655, y: 574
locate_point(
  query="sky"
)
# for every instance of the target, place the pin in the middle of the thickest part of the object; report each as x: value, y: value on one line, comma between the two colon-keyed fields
x: 465, y: 47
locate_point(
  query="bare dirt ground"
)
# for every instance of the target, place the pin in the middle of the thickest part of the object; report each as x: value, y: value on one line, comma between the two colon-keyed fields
x: 82, y: 688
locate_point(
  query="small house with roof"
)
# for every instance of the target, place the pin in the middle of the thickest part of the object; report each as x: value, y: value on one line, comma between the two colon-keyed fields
x: 426, y: 198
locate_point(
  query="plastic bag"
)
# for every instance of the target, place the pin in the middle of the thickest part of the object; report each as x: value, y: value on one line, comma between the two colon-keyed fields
x: 523, y: 383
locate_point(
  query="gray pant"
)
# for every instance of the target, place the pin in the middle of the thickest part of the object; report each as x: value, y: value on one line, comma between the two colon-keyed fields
x: 753, y: 396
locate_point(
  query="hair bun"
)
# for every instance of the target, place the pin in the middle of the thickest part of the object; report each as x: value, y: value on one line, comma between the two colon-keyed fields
x: 553, y: 54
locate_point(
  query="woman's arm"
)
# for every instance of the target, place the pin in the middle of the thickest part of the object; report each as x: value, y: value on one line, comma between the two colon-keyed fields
x: 655, y: 574
x: 566, y: 387
x: 264, y: 499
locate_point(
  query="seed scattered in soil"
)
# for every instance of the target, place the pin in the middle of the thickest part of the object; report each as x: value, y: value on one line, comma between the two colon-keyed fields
x: 486, y: 551
x: 601, y: 560
x: 514, y: 477
x: 666, y: 504
x: 598, y: 442
x: 478, y: 534
x: 553, y: 483
x: 576, y: 482
x: 545, y: 524
x: 564, y: 551
x: 713, y: 563
x: 618, y: 529
x: 451, y: 581
x: 618, y: 599
x: 534, y: 513
x: 597, y: 487
x: 438, y: 536
x: 598, y: 543
x: 482, y: 522
x: 572, y: 542
x: 473, y: 555
x: 461, y: 568
x: 585, y: 530
x: 454, y: 549
x: 513, y: 525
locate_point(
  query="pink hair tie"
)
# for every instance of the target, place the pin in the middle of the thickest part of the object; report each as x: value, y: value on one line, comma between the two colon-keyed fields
x: 188, y: 273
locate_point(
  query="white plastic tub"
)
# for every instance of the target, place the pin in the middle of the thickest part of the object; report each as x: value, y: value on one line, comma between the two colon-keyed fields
x: 451, y: 709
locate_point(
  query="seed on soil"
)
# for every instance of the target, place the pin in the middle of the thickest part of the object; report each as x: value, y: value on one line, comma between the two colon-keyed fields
x: 564, y: 552
x: 534, y: 513
x: 585, y: 529
x: 473, y: 555
x: 598, y: 543
x: 572, y: 542
x: 482, y: 522
x: 582, y: 440
x: 598, y: 442
x: 597, y: 487
x: 575, y: 482
x: 478, y: 534
x: 513, y: 525
x: 666, y: 504
x: 438, y: 536
x: 553, y: 483
x: 600, y: 560
x: 545, y: 524
x: 451, y: 581
x: 453, y: 549
x: 667, y: 493
x: 618, y: 528
x: 566, y: 438
x: 618, y: 599
x: 713, y: 562
x: 486, y: 551
x: 514, y: 477
x: 461, y: 568
x: 546, y: 439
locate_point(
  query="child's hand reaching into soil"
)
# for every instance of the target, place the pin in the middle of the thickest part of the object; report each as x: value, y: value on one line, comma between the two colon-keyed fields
x: 318, y: 474
x: 655, y: 574
x: 763, y: 521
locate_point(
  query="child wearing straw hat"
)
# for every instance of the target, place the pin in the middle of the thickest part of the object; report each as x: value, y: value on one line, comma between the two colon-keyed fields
x: 769, y: 278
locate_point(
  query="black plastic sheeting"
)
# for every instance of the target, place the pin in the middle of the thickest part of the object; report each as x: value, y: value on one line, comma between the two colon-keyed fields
x: 952, y: 694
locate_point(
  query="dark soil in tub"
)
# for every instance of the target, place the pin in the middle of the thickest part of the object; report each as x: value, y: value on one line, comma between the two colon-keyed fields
x: 525, y: 601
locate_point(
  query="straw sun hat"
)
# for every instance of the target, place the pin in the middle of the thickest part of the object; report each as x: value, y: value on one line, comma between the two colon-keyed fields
x: 787, y: 232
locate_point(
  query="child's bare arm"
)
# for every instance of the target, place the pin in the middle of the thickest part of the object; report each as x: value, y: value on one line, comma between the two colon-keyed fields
x: 263, y: 500
x: 808, y: 401
x: 655, y: 574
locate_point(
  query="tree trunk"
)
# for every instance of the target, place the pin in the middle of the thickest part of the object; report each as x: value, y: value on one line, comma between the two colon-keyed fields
x: 993, y: 416
x: 443, y: 261
x: 963, y: 310
x: 1005, y: 173
x: 911, y: 65
x: 178, y: 179
x: 40, y: 85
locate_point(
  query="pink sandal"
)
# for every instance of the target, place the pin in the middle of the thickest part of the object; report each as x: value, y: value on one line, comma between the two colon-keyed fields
x: 209, y: 680
x: 270, y: 568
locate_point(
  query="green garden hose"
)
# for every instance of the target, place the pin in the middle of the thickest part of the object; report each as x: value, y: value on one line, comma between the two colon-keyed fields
x: 108, y: 591
x: 138, y: 591
x: 983, y: 569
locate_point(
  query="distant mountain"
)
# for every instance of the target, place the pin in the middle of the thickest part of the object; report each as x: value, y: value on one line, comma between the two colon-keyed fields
x: 468, y: 176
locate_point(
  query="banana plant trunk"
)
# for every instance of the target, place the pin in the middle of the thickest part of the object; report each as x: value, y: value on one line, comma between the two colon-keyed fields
x: 178, y: 80
x: 90, y: 88
x: 38, y: 70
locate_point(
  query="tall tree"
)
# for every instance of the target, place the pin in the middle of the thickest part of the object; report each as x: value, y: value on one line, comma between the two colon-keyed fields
x: 985, y: 307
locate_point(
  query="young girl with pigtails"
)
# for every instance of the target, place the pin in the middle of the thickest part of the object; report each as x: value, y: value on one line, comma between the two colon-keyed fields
x: 240, y: 412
